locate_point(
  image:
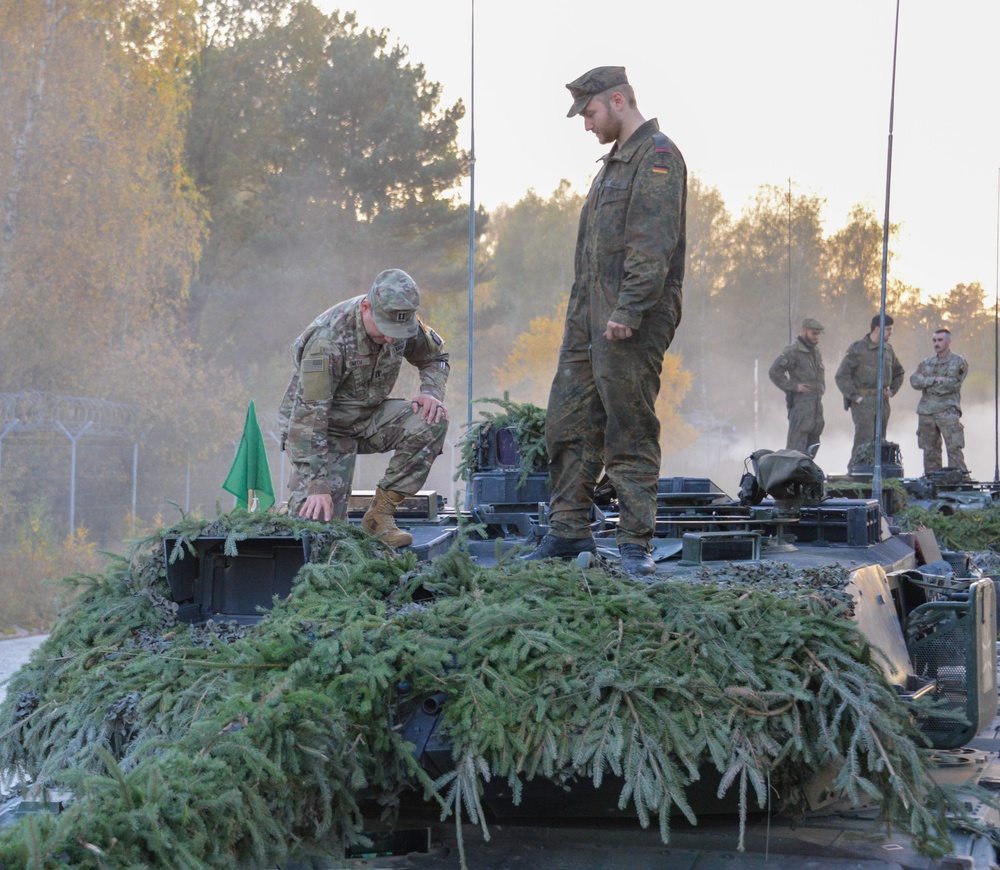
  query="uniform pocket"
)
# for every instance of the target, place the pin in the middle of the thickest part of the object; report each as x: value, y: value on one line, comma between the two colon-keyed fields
x: 315, y: 376
x: 612, y: 211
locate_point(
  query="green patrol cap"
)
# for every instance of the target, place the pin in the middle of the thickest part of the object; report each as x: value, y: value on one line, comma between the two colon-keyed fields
x: 594, y: 82
x: 812, y: 323
x: 394, y: 298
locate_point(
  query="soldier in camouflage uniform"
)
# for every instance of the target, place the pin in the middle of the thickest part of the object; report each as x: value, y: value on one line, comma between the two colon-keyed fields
x: 939, y: 413
x: 337, y: 404
x: 857, y: 379
x: 624, y: 307
x: 799, y: 372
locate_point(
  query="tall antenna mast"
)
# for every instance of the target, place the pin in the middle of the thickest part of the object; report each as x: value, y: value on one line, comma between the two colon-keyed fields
x: 789, y: 260
x: 996, y: 350
x: 880, y: 387
x: 472, y: 210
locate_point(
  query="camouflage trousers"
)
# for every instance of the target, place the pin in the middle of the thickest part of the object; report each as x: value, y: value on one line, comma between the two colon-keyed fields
x: 602, y: 413
x: 805, y: 422
x: 863, y: 415
x: 391, y: 426
x: 931, y: 429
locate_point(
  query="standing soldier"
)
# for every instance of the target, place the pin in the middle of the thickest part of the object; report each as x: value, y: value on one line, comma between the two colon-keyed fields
x: 939, y: 413
x: 337, y: 404
x: 799, y: 372
x: 623, y: 309
x: 857, y: 379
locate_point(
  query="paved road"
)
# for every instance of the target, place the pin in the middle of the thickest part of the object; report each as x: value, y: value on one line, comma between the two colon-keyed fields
x: 14, y: 653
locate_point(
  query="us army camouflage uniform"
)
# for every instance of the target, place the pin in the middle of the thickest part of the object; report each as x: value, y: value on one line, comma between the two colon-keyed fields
x: 939, y: 413
x: 858, y: 376
x: 629, y: 269
x: 337, y: 405
x: 801, y: 363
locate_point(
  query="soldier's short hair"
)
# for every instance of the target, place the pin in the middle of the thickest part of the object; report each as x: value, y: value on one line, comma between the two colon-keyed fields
x: 942, y: 329
x: 876, y: 320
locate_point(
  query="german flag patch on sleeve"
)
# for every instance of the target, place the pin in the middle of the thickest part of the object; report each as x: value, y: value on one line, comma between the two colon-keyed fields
x: 662, y: 149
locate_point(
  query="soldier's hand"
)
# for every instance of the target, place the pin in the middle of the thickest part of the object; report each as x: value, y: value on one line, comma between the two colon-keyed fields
x: 430, y: 409
x: 803, y: 388
x: 317, y: 507
x: 859, y: 400
x: 617, y: 331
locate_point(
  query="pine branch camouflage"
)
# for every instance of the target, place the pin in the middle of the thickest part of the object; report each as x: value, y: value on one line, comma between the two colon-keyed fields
x: 221, y: 746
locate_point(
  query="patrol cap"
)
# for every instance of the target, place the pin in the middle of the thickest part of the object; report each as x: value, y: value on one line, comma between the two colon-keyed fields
x: 394, y: 299
x: 594, y: 82
x: 813, y: 324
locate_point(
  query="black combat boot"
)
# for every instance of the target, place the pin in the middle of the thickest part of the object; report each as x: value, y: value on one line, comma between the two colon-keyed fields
x: 636, y: 561
x: 554, y: 547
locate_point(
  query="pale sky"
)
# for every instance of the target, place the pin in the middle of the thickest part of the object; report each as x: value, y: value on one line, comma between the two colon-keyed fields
x: 752, y: 93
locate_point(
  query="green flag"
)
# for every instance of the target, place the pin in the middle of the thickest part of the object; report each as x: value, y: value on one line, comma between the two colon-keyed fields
x: 250, y: 471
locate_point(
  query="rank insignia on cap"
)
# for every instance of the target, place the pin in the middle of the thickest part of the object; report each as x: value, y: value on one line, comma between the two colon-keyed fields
x: 402, y: 316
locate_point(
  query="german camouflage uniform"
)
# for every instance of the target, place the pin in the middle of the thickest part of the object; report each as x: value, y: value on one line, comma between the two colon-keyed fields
x: 858, y: 377
x: 801, y: 363
x: 629, y: 269
x: 939, y: 413
x: 337, y: 405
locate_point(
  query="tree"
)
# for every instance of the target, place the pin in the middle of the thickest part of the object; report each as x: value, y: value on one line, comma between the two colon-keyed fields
x: 102, y: 227
x: 528, y: 370
x: 765, y: 294
x: 852, y: 286
x: 325, y: 157
x: 98, y: 211
x: 709, y: 226
x: 531, y: 244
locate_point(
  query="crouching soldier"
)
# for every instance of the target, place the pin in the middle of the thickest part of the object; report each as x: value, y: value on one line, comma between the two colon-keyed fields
x: 337, y: 405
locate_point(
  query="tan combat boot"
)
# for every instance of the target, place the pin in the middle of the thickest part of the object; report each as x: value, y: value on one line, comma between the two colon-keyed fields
x: 378, y: 519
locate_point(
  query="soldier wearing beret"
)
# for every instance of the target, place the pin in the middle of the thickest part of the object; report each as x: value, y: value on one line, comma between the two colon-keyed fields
x: 624, y: 306
x: 337, y: 404
x: 857, y: 379
x: 799, y: 372
x: 939, y: 413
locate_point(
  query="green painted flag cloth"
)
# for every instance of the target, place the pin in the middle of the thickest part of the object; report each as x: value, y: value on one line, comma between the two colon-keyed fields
x: 250, y: 471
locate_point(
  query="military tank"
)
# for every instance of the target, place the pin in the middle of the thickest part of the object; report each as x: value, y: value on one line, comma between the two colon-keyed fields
x: 259, y: 593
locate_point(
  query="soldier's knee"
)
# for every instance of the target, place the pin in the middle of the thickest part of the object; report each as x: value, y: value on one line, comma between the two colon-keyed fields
x: 434, y: 434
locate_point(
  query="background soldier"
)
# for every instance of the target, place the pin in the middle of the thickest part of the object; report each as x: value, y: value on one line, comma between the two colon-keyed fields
x: 857, y: 379
x: 624, y: 307
x: 337, y: 404
x: 799, y: 372
x: 939, y: 413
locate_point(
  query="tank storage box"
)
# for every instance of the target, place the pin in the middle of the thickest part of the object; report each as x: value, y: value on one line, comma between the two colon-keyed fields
x: 426, y: 505
x: 209, y: 584
x: 720, y: 547
x: 855, y: 522
x: 502, y: 488
x: 688, y: 485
